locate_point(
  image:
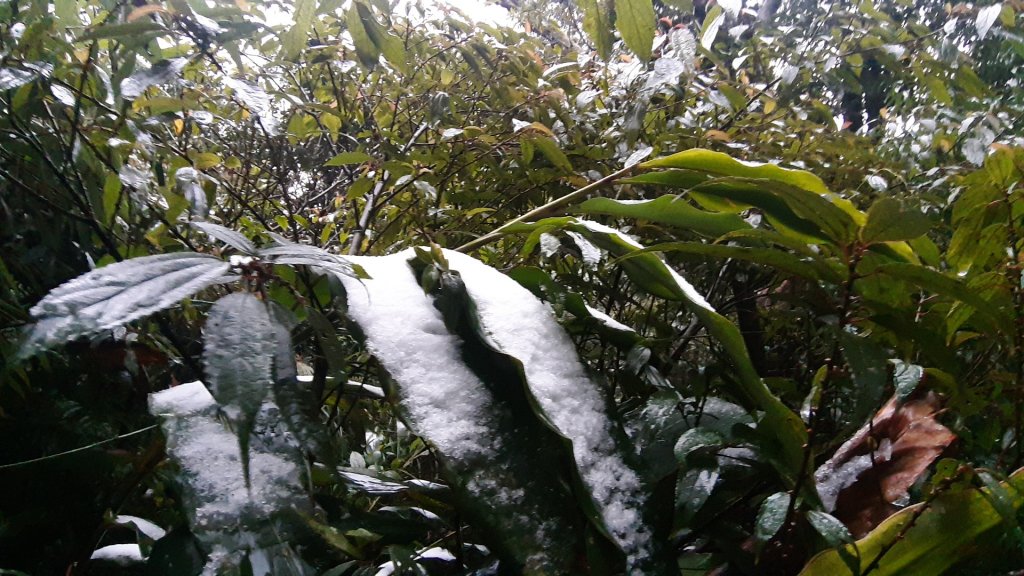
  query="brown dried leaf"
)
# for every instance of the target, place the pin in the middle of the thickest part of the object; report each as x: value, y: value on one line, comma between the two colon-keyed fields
x: 874, y: 469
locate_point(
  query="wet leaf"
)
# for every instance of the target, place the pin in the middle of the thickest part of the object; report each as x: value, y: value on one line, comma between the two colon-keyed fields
x: 232, y: 238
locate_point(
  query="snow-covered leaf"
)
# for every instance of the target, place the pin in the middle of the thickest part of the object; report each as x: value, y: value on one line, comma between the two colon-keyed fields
x: 119, y: 293
x: 238, y: 355
x: 461, y: 397
x: 302, y: 255
x: 232, y: 238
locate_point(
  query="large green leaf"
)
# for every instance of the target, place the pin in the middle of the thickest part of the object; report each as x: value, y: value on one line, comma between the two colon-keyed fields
x: 388, y: 44
x: 366, y: 50
x: 635, y: 21
x: 669, y: 209
x: 240, y: 344
x: 888, y: 221
x: 597, y: 23
x: 294, y: 39
x: 119, y: 293
x: 988, y: 315
x: 924, y: 542
x: 722, y: 164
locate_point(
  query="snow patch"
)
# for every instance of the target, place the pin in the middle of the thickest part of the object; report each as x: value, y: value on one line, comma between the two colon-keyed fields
x: 607, y: 320
x: 223, y: 512
x: 120, y: 554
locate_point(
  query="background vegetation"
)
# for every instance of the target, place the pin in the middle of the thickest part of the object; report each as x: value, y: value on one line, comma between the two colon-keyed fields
x: 862, y: 379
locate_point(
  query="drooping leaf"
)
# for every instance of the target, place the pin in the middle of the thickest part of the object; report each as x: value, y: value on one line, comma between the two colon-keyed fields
x: 119, y: 293
x: 162, y: 72
x: 634, y: 19
x: 929, y: 541
x: 881, y: 461
x: 988, y: 315
x: 549, y: 148
x: 232, y: 238
x: 367, y: 52
x: 807, y: 267
x: 388, y: 44
x: 868, y: 364
x: 783, y: 431
x: 670, y: 210
x: 240, y: 343
x: 597, y: 23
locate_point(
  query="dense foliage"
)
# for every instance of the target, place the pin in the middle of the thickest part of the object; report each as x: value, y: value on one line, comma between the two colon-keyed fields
x: 783, y: 237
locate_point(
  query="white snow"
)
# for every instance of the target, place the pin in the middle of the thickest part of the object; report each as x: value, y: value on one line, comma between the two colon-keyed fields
x: 591, y: 254
x: 181, y: 400
x: 223, y: 513
x: 407, y: 334
x: 445, y: 401
x: 607, y: 320
x: 151, y: 530
x: 524, y: 327
x: 120, y: 554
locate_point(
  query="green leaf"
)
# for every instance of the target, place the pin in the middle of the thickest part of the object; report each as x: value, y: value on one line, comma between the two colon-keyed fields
x: 238, y: 358
x: 366, y: 50
x: 989, y: 316
x: 696, y: 439
x: 670, y: 210
x: 549, y: 148
x: 388, y: 44
x: 125, y: 30
x: 349, y: 158
x: 887, y: 221
x: 906, y: 377
x: 119, y: 293
x: 929, y: 541
x: 869, y: 367
x: 294, y: 39
x: 597, y: 23
x: 721, y: 164
x: 635, y: 21
x: 807, y: 267
x: 783, y: 432
x: 771, y: 516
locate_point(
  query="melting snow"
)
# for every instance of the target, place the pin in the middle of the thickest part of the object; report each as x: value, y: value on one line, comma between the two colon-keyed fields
x: 524, y: 327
